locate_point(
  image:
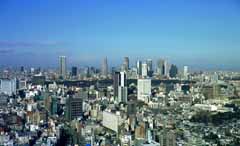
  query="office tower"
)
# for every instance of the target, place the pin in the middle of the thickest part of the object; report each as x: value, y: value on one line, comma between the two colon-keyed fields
x: 8, y: 86
x: 104, y: 67
x: 160, y: 67
x: 126, y: 63
x: 173, y: 71
x: 62, y: 66
x: 74, y: 107
x: 149, y: 67
x: 120, y: 86
x: 74, y: 71
x: 116, y: 80
x: 139, y: 68
x: 144, y: 70
x: 22, y: 69
x: 144, y: 89
x: 185, y: 72
x: 122, y: 94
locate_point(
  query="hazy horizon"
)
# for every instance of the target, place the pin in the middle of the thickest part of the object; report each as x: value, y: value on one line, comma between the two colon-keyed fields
x: 201, y: 34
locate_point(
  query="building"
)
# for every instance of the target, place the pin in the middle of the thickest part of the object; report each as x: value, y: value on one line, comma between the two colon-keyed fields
x: 173, y: 71
x: 104, y: 69
x: 120, y: 86
x: 126, y: 64
x: 116, y: 80
x: 74, y: 71
x: 74, y: 107
x: 168, y: 138
x: 62, y: 66
x: 139, y: 68
x: 8, y: 86
x: 111, y: 120
x: 144, y: 70
x: 149, y: 67
x: 143, y: 89
x: 122, y: 94
x: 161, y: 67
x: 185, y: 72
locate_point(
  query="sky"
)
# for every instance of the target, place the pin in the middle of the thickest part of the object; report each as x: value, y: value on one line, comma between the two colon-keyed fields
x: 199, y: 33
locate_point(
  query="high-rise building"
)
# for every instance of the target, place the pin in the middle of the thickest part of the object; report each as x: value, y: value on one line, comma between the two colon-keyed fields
x: 139, y: 68
x: 62, y: 66
x: 122, y: 89
x: 160, y: 67
x: 120, y: 86
x: 104, y: 67
x: 144, y: 89
x: 150, y: 67
x: 74, y: 71
x: 185, y: 72
x: 116, y: 80
x: 126, y: 63
x: 22, y: 69
x: 8, y: 86
x: 74, y: 107
x: 144, y: 70
x: 173, y: 71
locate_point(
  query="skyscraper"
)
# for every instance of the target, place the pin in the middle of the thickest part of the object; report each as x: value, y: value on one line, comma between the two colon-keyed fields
x: 139, y: 68
x: 150, y: 67
x: 144, y: 89
x: 144, y: 70
x: 62, y: 66
x: 126, y: 63
x: 116, y: 80
x: 74, y: 71
x: 104, y: 69
x: 74, y: 107
x: 120, y: 86
x: 185, y: 72
x: 173, y: 71
x: 162, y: 67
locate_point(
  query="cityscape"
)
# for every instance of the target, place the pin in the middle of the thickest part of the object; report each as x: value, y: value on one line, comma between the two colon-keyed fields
x: 174, y: 81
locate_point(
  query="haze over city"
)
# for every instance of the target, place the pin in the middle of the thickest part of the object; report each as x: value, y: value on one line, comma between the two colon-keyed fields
x: 202, y: 34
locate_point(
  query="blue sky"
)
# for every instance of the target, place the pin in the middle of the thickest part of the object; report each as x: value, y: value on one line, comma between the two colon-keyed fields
x: 198, y: 33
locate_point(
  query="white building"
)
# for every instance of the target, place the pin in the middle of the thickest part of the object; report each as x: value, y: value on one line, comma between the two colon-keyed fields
x: 185, y: 72
x: 111, y: 120
x: 144, y: 89
x: 144, y: 69
x: 8, y: 86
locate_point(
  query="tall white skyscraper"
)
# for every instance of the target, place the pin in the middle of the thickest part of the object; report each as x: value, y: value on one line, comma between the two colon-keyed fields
x: 185, y: 72
x: 144, y: 89
x: 144, y: 70
x: 104, y: 68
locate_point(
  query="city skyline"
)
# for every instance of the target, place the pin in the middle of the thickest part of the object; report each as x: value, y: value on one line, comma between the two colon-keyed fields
x: 203, y: 35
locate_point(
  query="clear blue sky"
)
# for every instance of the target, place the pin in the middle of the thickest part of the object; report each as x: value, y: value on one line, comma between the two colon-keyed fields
x: 200, y: 33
